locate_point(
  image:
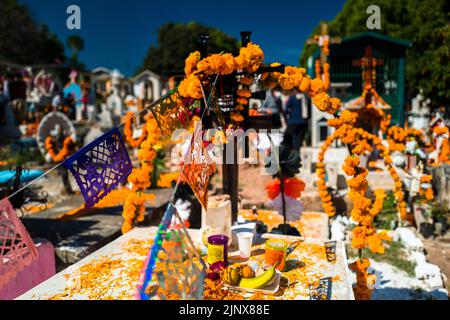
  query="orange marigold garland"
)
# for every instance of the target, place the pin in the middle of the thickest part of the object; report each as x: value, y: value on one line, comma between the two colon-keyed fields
x: 444, y: 154
x: 134, y: 207
x: 66, y: 150
x: 249, y: 60
x: 364, y: 281
x: 128, y: 132
x: 166, y: 179
x: 363, y: 212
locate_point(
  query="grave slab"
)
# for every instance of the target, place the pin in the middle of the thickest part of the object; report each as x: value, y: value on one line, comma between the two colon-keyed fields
x: 118, y: 256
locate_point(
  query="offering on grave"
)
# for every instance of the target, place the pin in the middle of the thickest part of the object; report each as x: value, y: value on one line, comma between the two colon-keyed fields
x: 275, y: 253
x: 242, y: 277
x: 245, y: 240
x: 217, y: 249
x: 217, y: 218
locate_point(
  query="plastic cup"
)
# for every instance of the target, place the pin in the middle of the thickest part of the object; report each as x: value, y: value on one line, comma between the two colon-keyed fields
x: 245, y: 240
x: 275, y: 252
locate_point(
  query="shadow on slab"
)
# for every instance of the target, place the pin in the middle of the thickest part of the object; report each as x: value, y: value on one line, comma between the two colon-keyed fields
x: 407, y: 294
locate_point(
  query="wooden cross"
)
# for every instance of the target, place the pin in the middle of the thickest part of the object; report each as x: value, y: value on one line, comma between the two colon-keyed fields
x: 369, y: 67
x: 323, y: 41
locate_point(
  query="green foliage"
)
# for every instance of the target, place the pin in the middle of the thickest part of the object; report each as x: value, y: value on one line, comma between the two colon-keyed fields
x: 24, y: 41
x: 177, y: 40
x: 76, y: 44
x: 423, y: 22
x: 159, y: 166
x: 24, y: 157
x: 387, y: 218
x: 394, y: 254
x: 439, y: 211
x: 389, y: 202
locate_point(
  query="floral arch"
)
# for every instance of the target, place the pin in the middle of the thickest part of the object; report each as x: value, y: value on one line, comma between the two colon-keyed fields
x: 199, y: 74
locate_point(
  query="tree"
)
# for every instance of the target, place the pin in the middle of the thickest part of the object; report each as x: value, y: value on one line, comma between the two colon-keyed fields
x: 176, y: 41
x: 24, y: 41
x: 423, y: 22
x: 76, y: 44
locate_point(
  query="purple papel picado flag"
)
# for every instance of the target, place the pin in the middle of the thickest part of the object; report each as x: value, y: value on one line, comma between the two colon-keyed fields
x: 100, y: 166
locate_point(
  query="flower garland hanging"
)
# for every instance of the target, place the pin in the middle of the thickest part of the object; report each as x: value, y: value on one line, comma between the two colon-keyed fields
x: 166, y: 179
x: 67, y: 149
x: 128, y: 132
x: 134, y: 207
x: 364, y: 281
x: 396, y: 137
x: 426, y: 189
x: 249, y: 60
x: 358, y: 138
x: 444, y: 154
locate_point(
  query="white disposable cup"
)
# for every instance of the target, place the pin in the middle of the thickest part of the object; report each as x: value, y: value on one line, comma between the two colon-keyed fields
x: 245, y: 240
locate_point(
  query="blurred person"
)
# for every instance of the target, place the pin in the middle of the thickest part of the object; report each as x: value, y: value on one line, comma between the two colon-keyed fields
x: 272, y: 105
x: 56, y: 101
x: 297, y: 120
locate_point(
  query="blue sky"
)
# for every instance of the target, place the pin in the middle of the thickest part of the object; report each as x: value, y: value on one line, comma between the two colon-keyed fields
x: 117, y: 33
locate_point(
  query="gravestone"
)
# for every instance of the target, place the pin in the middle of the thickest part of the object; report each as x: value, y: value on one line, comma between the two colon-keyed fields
x: 92, y: 134
x: 306, y: 155
x: 147, y: 86
x: 332, y: 169
x: 114, y: 101
x: 105, y: 117
x: 441, y: 183
x: 419, y: 116
x: 91, y: 113
x: 50, y: 125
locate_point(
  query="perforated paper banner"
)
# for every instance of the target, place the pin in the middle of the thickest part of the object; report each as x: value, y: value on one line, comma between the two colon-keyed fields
x: 174, y: 269
x: 100, y: 166
x: 150, y: 263
x: 17, y: 249
x: 198, y: 168
x: 171, y: 113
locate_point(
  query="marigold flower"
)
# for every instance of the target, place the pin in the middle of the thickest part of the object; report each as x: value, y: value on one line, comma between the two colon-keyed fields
x: 305, y: 85
x: 316, y: 87
x: 334, y: 122
x: 242, y: 101
x: 347, y: 117
x: 322, y: 101
x: 191, y: 87
x: 191, y: 62
x: 246, y: 80
x: 244, y: 93
x: 250, y: 58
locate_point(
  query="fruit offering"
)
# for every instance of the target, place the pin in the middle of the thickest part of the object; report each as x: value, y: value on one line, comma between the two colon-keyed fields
x: 244, y: 276
x: 246, y: 272
x: 231, y: 276
x: 260, y: 281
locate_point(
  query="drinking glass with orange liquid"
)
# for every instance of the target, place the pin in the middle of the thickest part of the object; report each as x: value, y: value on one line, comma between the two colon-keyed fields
x: 275, y: 252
